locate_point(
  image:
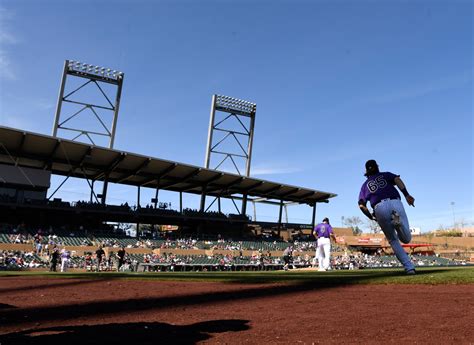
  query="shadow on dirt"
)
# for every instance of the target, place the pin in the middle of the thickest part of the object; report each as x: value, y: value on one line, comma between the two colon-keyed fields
x: 7, y: 306
x: 126, y: 333
x: 51, y: 285
x: 131, y: 305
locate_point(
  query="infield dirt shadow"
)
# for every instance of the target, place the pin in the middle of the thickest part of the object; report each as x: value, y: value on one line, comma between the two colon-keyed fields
x: 125, y: 334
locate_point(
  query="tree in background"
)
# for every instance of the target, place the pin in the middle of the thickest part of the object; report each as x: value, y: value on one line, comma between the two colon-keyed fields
x: 373, y: 226
x: 353, y: 223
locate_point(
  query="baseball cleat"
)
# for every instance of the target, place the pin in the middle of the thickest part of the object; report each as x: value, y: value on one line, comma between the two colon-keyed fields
x: 411, y: 272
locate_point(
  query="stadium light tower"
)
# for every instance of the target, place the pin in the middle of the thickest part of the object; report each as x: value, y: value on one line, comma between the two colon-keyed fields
x: 243, y: 135
x: 89, y: 75
x: 92, y: 75
x: 235, y: 108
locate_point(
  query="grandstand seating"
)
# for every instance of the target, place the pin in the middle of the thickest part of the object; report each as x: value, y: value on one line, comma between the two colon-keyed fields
x: 187, y: 251
x: 5, y: 238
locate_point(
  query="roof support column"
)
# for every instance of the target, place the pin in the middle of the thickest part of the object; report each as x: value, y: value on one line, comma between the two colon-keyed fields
x: 279, y: 217
x: 92, y: 191
x: 219, y: 204
x: 138, y: 196
x: 281, y: 212
x: 203, y: 199
x: 181, y: 202
x: 254, y: 211
x: 156, y: 193
x: 244, y: 204
x: 104, y: 191
x: 313, y: 221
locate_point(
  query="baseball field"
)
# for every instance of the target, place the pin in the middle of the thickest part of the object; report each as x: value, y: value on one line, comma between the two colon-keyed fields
x: 436, y: 306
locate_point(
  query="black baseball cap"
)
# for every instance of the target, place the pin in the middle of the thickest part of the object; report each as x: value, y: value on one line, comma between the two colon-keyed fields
x: 326, y: 220
x: 371, y: 167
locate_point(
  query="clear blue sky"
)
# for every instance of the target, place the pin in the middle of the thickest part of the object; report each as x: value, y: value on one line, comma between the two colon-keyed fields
x: 336, y: 83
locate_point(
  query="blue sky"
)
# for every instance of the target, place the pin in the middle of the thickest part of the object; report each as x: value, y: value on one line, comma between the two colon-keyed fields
x: 335, y: 82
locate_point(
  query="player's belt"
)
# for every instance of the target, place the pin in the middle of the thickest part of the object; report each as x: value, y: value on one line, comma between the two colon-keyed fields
x: 386, y: 199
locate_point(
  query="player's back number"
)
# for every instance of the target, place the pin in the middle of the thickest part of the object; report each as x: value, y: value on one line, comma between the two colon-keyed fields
x: 378, y: 182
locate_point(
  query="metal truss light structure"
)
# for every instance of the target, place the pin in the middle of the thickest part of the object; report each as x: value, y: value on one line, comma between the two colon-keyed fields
x: 93, y: 75
x: 234, y: 108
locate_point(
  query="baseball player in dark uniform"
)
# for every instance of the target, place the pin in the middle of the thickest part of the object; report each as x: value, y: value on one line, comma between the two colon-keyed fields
x: 54, y: 259
x: 287, y: 257
x: 379, y: 189
x: 323, y: 232
x: 99, y: 253
x: 121, y: 257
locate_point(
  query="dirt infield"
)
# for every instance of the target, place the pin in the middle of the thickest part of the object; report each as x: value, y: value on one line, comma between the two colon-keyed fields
x: 36, y: 310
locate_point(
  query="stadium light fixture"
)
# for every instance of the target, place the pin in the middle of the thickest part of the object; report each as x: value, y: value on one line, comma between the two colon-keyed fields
x: 231, y: 104
x: 87, y: 70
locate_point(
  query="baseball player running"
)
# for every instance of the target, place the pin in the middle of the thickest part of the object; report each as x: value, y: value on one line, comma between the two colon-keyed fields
x: 379, y: 189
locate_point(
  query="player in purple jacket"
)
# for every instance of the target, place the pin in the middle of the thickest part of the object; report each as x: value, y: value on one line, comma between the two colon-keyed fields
x: 379, y: 189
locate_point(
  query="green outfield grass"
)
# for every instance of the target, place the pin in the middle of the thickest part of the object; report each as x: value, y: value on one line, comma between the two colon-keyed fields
x: 433, y: 275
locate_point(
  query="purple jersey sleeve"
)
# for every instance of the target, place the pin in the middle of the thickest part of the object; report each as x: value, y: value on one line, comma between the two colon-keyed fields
x: 378, y: 187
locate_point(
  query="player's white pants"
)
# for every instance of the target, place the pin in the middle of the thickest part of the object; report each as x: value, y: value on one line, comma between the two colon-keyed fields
x: 323, y: 252
x: 64, y: 265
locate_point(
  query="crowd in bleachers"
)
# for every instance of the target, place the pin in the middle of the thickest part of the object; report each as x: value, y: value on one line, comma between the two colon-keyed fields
x: 164, y: 209
x: 21, y: 259
x: 42, y: 239
x: 45, y: 241
x: 360, y: 261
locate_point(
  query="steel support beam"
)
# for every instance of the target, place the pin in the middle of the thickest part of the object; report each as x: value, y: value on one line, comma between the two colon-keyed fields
x: 160, y: 175
x: 203, y: 199
x: 210, y: 131
x: 184, y: 179
x: 313, y: 219
x: 280, y: 212
x: 156, y: 196
x: 142, y: 166
x: 138, y: 196
x: 116, y: 110
x: 60, y: 99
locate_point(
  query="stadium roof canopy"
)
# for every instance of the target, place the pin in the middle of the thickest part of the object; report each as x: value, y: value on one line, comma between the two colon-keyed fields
x: 75, y: 159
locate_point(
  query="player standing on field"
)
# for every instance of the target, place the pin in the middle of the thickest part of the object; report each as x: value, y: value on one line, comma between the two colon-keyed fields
x: 379, y: 189
x: 121, y: 257
x: 323, y: 232
x: 99, y: 254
